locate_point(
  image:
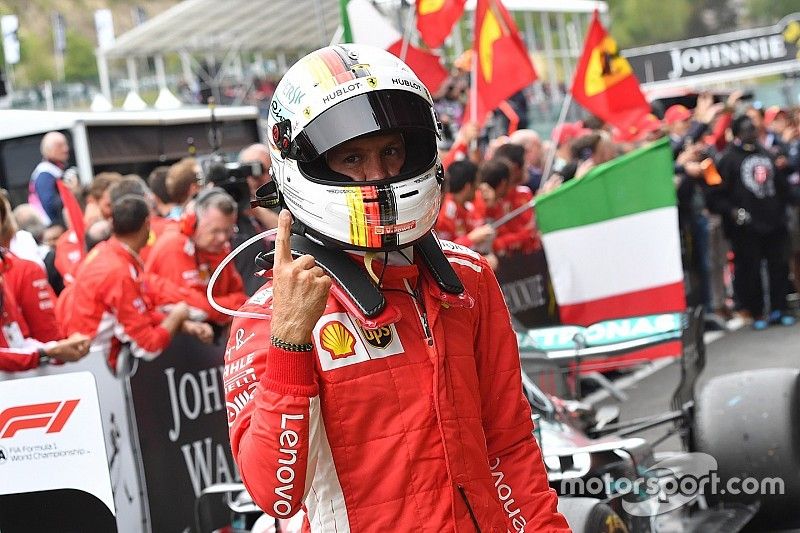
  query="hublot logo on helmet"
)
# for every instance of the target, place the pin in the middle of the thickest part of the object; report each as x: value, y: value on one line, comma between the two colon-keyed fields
x: 411, y: 84
x: 340, y: 91
x: 379, y: 337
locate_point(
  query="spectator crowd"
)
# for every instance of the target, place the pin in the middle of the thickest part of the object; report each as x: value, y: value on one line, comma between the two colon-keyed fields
x: 736, y: 173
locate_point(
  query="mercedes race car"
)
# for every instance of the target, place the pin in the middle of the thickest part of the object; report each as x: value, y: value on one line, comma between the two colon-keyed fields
x: 739, y: 464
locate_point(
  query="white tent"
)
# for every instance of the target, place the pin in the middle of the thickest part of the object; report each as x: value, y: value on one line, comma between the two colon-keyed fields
x: 201, y: 26
x: 220, y: 31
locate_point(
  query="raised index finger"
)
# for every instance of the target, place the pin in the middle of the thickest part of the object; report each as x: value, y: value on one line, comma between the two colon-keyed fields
x: 283, y: 249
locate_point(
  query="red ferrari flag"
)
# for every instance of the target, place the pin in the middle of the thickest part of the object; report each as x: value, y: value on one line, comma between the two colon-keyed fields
x: 363, y: 23
x: 74, y: 214
x: 435, y: 19
x: 604, y: 82
x: 502, y: 66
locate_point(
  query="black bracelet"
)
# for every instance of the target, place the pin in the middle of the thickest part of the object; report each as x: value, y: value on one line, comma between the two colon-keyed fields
x: 44, y: 359
x: 289, y: 347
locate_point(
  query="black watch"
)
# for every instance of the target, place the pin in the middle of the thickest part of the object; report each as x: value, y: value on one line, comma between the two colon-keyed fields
x: 44, y: 359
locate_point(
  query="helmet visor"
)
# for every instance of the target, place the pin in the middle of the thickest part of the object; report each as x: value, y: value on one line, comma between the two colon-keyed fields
x: 360, y: 115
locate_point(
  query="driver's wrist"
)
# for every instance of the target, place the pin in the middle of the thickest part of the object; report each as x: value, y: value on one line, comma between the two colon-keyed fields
x: 292, y: 335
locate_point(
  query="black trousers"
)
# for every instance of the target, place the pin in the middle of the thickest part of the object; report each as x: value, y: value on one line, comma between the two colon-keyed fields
x: 749, y: 250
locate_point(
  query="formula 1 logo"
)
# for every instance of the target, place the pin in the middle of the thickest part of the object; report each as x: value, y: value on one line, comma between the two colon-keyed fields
x: 51, y: 415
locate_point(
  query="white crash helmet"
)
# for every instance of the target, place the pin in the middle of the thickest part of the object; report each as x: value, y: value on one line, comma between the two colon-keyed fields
x: 336, y: 94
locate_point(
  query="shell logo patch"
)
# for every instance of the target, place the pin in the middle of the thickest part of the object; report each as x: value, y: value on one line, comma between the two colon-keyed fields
x: 379, y: 337
x: 341, y: 341
x: 337, y: 340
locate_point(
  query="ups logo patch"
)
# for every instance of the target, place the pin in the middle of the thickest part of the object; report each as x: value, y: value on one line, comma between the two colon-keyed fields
x: 379, y: 337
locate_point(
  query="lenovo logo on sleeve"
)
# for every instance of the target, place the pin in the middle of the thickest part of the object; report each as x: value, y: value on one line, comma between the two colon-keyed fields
x: 51, y: 415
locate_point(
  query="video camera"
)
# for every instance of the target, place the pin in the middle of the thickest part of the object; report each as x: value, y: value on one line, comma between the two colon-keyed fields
x: 231, y: 176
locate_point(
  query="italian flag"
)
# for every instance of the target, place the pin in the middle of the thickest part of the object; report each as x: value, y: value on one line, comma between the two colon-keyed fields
x: 362, y: 23
x: 611, y: 239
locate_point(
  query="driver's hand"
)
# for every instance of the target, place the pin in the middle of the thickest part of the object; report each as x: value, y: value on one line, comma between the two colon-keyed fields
x: 300, y: 289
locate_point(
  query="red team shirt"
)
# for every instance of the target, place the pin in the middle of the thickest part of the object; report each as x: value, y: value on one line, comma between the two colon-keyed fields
x: 519, y: 233
x: 456, y: 221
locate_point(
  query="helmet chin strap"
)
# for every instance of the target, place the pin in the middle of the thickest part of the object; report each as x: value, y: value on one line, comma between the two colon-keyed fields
x: 369, y: 257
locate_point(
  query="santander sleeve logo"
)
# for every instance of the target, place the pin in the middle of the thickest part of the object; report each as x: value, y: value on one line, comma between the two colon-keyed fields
x: 51, y: 415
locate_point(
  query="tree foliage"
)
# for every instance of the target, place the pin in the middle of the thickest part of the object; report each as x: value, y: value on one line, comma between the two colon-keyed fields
x: 642, y: 22
x: 36, y: 58
x: 711, y: 16
x: 766, y: 12
x: 80, y: 63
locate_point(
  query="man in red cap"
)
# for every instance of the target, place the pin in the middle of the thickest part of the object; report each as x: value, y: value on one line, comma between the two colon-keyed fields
x: 686, y: 127
x: 776, y: 119
x: 677, y: 119
x: 563, y: 135
x: 776, y: 122
x: 649, y: 128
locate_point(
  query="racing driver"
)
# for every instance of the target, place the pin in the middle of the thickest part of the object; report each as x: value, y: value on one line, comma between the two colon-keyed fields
x: 375, y: 380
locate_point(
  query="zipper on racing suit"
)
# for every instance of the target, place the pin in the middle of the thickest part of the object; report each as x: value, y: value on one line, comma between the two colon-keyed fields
x: 423, y: 320
x: 423, y: 316
x: 469, y: 508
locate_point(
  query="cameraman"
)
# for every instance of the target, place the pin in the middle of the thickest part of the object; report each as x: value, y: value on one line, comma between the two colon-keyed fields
x: 258, y: 153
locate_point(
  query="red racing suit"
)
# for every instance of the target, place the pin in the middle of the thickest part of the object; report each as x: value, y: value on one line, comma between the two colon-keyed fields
x: 16, y: 352
x: 34, y: 296
x: 68, y: 255
x: 175, y: 258
x: 416, y: 425
x: 108, y: 301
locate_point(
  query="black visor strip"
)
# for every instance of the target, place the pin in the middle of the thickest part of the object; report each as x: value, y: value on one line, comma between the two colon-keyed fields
x: 360, y: 115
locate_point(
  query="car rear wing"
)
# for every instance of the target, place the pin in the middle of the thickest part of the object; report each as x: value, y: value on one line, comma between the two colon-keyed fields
x: 552, y: 353
x: 601, y: 339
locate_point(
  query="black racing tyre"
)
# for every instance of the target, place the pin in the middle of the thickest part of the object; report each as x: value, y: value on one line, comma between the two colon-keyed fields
x: 587, y: 515
x: 748, y: 421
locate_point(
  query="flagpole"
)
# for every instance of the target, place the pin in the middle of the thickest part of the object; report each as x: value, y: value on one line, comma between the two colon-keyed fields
x: 513, y: 214
x: 551, y: 151
x: 410, y: 21
x: 551, y: 154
